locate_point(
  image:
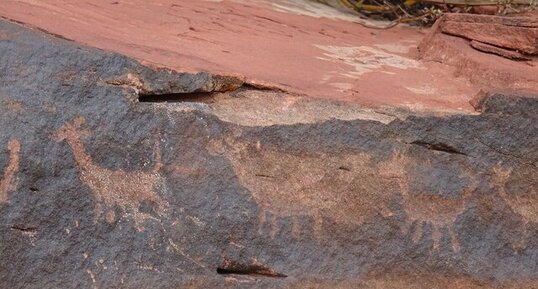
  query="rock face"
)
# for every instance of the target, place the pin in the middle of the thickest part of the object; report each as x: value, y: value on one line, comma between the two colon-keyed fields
x: 515, y: 33
x: 101, y: 190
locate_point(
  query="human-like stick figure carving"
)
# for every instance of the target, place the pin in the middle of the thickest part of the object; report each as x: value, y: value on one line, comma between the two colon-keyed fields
x: 9, y: 182
x: 526, y: 206
x: 124, y: 189
x: 434, y: 209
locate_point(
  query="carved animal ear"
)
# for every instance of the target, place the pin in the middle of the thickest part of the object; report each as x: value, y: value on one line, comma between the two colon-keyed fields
x: 14, y: 145
x: 498, y: 169
x: 502, y: 174
x: 78, y: 122
x: 79, y: 125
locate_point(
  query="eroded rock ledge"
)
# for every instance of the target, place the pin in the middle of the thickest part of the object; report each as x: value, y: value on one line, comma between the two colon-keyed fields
x: 99, y: 190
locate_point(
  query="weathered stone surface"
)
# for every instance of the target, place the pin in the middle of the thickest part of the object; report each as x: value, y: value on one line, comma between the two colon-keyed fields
x: 299, y: 46
x: 486, y: 70
x: 519, y: 39
x: 508, y: 32
x: 100, y: 190
x: 510, y: 54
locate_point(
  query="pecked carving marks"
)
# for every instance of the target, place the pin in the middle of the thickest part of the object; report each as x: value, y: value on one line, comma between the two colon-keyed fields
x: 126, y: 190
x: 422, y: 208
x: 8, y: 182
x: 343, y: 187
x: 524, y: 205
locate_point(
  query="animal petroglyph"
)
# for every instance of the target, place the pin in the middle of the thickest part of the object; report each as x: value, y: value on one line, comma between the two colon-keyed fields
x: 9, y: 182
x: 428, y: 208
x: 524, y: 205
x: 343, y: 187
x: 126, y: 190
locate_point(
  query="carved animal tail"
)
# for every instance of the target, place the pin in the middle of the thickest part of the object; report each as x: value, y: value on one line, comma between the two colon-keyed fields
x: 500, y: 180
x: 471, y: 187
x: 158, y: 158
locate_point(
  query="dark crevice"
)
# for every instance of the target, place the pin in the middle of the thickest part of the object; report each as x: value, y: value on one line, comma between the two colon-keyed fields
x: 344, y: 168
x: 265, y: 176
x: 204, y: 97
x: 24, y: 228
x: 33, y: 189
x: 232, y: 267
x: 438, y: 147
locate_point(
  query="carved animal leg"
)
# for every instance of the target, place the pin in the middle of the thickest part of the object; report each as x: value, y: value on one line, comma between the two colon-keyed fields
x: 418, y: 231
x: 295, y: 227
x: 98, y: 210
x: 453, y: 238
x: 261, y: 221
x: 404, y: 229
x: 110, y: 216
x: 436, y: 236
x: 318, y: 225
x: 386, y: 212
x: 525, y: 233
x: 157, y: 159
x: 522, y: 243
x: 274, y: 226
x: 139, y: 220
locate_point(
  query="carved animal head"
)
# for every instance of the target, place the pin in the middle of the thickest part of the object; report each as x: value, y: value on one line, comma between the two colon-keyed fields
x: 74, y: 129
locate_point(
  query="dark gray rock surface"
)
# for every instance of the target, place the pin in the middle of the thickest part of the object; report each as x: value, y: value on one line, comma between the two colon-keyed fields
x: 99, y: 190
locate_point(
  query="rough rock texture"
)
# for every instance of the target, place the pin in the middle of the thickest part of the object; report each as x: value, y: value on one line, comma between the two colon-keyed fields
x: 486, y: 67
x: 517, y: 33
x: 510, y: 54
x: 300, y: 46
x: 100, y: 190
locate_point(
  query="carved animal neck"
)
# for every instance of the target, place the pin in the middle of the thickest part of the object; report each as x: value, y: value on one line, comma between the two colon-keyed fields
x: 81, y: 157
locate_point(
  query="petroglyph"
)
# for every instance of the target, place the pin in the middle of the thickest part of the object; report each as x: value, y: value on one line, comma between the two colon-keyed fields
x: 423, y: 208
x: 343, y: 187
x: 9, y: 181
x: 126, y: 190
x: 524, y: 205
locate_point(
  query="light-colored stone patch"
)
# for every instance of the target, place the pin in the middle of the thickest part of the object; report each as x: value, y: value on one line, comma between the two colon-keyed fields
x: 259, y: 108
x: 424, y: 89
x: 313, y: 9
x: 364, y: 59
x: 400, y: 48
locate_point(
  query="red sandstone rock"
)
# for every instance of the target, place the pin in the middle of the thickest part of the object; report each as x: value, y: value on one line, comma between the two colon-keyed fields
x: 510, y: 54
x: 488, y: 71
x: 517, y: 38
x: 280, y: 43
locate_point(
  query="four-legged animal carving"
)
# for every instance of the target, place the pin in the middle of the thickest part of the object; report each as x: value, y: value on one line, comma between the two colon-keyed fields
x: 124, y: 189
x: 8, y: 182
x: 526, y: 206
x: 341, y: 187
x: 434, y: 209
x: 285, y: 185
